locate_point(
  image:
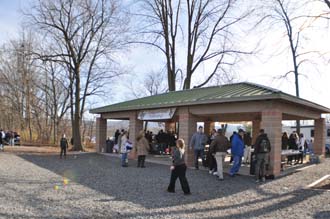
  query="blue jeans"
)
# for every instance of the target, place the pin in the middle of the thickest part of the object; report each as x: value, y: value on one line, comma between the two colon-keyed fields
x: 236, y: 165
x: 198, y: 153
x: 123, y: 159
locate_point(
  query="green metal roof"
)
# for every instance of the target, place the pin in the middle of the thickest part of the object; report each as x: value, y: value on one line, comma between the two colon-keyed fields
x: 217, y: 94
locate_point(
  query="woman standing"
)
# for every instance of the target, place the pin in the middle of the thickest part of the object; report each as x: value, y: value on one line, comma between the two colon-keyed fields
x: 179, y: 169
x: 123, y: 149
x: 141, y: 149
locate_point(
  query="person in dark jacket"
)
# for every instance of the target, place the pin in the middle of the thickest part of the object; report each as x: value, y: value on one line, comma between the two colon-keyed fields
x: 212, y: 163
x: 117, y: 133
x: 64, y: 145
x: 285, y: 141
x: 237, y: 151
x: 292, y: 144
x: 178, y: 169
x: 162, y: 140
x: 261, y: 149
x: 218, y: 148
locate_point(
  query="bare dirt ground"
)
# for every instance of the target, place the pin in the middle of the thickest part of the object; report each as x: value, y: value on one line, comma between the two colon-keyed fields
x: 40, y: 149
x: 91, y: 185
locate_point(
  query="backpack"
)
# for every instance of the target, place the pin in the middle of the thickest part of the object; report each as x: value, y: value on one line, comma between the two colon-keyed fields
x: 264, y: 146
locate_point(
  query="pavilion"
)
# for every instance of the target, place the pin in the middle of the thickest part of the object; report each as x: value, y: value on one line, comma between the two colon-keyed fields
x: 265, y: 107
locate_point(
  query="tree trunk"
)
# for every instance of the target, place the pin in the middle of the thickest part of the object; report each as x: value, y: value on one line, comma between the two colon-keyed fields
x: 187, y: 81
x: 54, y: 131
x: 77, y: 118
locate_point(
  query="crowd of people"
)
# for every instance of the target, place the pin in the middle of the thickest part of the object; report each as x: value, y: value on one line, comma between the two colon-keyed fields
x: 240, y: 145
x: 160, y: 143
x: 297, y: 143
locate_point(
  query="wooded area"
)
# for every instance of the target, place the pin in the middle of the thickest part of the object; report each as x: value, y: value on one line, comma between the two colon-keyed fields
x: 67, y: 51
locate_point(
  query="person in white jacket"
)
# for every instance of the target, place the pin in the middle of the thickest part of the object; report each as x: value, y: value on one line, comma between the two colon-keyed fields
x: 123, y: 150
x: 301, y: 147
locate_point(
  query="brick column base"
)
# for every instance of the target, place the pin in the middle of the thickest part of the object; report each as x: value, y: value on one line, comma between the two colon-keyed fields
x: 187, y: 127
x: 271, y: 122
x: 101, y: 134
x: 319, y: 136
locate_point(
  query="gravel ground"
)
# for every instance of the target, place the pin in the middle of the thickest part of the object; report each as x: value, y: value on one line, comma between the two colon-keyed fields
x: 35, y: 186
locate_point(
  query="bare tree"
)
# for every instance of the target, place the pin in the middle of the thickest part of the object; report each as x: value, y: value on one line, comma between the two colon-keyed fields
x: 293, y: 17
x: 209, y: 34
x: 56, y: 94
x: 152, y: 83
x: 84, y: 36
x: 160, y: 30
x: 18, y: 76
x: 200, y: 28
x: 327, y: 2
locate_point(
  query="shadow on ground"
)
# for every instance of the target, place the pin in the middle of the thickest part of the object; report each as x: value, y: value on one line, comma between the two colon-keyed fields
x: 322, y: 215
x: 140, y: 186
x: 147, y: 187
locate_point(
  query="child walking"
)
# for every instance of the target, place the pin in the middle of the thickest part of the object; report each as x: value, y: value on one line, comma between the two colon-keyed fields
x: 179, y: 169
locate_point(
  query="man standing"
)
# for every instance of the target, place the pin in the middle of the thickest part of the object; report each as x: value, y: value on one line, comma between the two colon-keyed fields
x: 237, y: 151
x: 261, y: 150
x: 64, y: 145
x: 198, y: 142
x: 219, y: 147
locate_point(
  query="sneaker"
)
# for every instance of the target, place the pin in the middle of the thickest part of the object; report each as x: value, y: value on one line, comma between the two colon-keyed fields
x: 221, y: 179
x: 170, y: 191
x: 215, y: 173
x: 210, y: 172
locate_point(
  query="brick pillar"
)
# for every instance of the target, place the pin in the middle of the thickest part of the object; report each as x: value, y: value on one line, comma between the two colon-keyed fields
x: 271, y: 122
x: 319, y: 136
x: 101, y: 134
x: 135, y: 126
x: 255, y: 130
x: 187, y: 127
x: 170, y: 126
x: 208, y: 126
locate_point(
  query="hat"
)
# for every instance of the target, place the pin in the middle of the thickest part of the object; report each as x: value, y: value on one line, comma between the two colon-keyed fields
x: 241, y: 130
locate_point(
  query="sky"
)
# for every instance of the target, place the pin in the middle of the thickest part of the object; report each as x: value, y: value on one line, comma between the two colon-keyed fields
x: 261, y: 68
